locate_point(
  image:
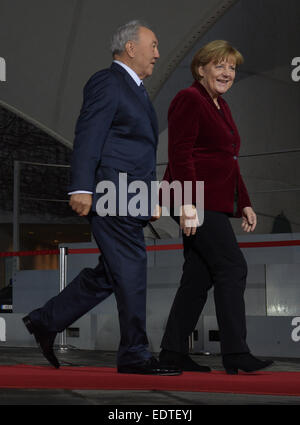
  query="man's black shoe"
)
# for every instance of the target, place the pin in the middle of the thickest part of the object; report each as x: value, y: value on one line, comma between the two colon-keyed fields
x: 44, y: 339
x: 182, y: 361
x: 150, y: 367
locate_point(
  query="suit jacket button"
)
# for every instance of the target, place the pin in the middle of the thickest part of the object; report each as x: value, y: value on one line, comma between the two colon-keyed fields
x: 235, y: 157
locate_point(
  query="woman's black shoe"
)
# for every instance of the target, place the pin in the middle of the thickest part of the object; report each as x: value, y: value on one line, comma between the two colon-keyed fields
x: 189, y: 365
x: 182, y: 361
x: 245, y: 362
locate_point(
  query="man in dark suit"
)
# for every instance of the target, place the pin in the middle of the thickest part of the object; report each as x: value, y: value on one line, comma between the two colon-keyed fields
x: 116, y: 133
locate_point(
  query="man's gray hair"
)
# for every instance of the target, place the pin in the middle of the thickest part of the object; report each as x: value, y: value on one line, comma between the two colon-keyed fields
x: 127, y: 32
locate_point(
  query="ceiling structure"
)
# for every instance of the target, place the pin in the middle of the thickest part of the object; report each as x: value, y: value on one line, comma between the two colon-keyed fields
x: 51, y: 48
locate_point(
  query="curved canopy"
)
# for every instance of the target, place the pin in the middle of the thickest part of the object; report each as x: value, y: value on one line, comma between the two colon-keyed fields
x: 52, y: 47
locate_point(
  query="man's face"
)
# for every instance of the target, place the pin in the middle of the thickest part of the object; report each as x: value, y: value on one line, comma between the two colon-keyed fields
x: 145, y: 53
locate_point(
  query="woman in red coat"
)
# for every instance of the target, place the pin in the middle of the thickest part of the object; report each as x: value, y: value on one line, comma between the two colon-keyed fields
x: 204, y: 145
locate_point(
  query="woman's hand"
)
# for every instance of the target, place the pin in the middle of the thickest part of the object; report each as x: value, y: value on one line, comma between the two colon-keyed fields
x: 189, y: 219
x: 249, y: 220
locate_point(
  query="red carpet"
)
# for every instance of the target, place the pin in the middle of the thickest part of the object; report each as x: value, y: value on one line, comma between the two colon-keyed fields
x: 96, y: 378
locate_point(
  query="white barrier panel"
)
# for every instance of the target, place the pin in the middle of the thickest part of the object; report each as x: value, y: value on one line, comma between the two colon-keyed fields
x: 2, y: 69
x: 2, y: 330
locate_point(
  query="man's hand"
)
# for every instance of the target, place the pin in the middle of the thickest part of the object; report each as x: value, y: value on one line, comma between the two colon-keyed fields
x: 156, y: 213
x: 249, y: 220
x: 189, y: 220
x: 81, y: 203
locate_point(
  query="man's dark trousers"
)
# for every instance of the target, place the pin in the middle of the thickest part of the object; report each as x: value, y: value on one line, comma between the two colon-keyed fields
x: 122, y: 269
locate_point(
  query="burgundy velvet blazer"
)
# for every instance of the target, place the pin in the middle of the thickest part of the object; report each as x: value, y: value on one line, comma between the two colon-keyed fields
x: 204, y: 145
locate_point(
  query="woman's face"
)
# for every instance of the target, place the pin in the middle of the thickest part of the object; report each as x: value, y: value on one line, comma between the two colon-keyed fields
x: 218, y: 77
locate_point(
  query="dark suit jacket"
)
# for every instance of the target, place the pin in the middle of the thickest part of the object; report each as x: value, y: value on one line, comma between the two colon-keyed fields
x: 204, y: 145
x: 116, y: 132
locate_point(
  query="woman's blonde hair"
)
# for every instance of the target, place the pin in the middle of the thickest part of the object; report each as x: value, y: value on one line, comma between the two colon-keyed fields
x: 215, y: 51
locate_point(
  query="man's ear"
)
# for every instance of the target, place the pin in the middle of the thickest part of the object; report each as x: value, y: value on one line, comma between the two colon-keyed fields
x: 130, y: 48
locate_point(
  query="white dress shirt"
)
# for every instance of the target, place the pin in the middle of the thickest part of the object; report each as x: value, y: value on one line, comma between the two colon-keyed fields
x: 138, y: 81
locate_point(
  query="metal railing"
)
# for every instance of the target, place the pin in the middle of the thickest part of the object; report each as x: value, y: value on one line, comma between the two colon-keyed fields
x: 63, y: 267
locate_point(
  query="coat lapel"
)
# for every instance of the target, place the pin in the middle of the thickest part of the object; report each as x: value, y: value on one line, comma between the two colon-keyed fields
x: 226, y: 118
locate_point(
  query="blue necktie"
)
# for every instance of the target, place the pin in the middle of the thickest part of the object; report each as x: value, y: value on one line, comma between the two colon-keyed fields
x: 144, y: 91
x: 148, y: 102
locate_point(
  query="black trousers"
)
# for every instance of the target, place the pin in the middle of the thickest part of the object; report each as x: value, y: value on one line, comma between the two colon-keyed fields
x: 212, y: 259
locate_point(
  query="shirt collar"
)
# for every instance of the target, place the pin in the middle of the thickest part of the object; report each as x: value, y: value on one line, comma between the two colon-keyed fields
x: 131, y: 72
